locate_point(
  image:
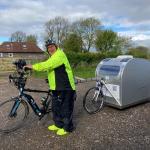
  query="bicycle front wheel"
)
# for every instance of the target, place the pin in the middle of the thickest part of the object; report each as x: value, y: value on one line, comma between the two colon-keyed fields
x: 93, y: 101
x: 9, y: 123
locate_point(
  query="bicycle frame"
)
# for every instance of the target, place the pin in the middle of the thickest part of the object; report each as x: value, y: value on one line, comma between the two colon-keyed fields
x: 99, y: 85
x: 29, y: 99
x: 16, y: 109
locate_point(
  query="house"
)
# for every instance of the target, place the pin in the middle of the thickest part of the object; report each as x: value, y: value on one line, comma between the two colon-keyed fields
x: 25, y: 50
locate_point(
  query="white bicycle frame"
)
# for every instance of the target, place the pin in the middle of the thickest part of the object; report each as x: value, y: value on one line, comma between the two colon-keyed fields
x: 99, y: 84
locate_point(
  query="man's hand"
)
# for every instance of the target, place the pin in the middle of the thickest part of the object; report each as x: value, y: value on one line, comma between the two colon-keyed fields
x: 29, y: 66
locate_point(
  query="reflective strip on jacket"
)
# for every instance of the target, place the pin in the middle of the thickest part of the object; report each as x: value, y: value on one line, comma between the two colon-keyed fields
x: 60, y: 74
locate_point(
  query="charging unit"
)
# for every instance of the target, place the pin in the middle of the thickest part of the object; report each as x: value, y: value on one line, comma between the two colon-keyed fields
x: 127, y: 80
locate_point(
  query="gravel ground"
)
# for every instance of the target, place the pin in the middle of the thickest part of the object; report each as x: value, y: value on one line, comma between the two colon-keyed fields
x: 111, y: 128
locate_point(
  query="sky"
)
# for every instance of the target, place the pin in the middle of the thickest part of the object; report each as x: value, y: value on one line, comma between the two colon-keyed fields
x: 129, y: 18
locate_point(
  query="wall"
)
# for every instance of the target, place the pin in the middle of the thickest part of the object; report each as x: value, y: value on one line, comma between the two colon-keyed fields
x: 6, y: 61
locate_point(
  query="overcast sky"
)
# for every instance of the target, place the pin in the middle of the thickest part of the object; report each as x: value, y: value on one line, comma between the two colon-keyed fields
x: 127, y: 17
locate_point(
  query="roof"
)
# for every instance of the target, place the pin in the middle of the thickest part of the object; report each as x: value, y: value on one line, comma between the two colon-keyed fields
x: 19, y: 47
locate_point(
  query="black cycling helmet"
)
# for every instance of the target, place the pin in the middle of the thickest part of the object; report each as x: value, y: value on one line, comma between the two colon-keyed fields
x: 50, y: 42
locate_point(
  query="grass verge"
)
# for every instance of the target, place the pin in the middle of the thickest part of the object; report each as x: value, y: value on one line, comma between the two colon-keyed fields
x: 81, y: 71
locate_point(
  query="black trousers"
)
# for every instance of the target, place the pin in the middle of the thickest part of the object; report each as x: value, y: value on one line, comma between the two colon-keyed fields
x: 62, y: 109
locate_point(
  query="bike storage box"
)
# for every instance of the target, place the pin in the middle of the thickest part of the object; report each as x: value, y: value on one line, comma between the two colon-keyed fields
x: 127, y: 80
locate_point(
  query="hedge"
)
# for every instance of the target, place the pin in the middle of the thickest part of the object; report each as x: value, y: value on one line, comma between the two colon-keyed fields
x: 89, y: 58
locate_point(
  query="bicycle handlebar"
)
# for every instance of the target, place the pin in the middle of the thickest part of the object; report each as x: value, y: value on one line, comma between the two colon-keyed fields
x: 34, y: 90
x: 19, y: 77
x: 18, y: 81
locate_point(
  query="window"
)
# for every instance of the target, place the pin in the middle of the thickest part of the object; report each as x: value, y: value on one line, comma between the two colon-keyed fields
x: 8, y: 46
x: 24, y: 46
x: 10, y: 54
x: 1, y: 54
x: 109, y: 70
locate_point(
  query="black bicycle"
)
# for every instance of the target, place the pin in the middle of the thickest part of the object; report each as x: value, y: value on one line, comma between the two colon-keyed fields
x: 93, y: 100
x: 14, y: 112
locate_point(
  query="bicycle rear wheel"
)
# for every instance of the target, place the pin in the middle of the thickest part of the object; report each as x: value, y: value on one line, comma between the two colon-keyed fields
x: 10, y: 123
x: 93, y: 101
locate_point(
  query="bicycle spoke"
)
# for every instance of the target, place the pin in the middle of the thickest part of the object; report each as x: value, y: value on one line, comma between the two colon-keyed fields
x: 93, y: 101
x: 7, y: 122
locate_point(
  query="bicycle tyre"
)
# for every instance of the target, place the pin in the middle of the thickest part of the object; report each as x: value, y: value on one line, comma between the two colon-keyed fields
x: 9, y: 124
x: 89, y: 104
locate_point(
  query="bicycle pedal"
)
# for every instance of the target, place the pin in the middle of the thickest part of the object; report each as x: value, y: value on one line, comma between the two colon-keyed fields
x: 40, y: 117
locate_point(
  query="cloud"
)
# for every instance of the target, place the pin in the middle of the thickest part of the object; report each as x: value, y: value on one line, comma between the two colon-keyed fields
x: 141, y: 37
x: 126, y: 16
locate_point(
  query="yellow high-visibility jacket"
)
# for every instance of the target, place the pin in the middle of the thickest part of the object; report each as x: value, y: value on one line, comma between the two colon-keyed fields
x: 60, y: 74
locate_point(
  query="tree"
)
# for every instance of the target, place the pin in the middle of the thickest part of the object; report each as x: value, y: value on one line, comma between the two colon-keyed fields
x: 108, y: 40
x: 50, y: 29
x: 76, y: 28
x: 86, y: 29
x: 139, y: 51
x: 31, y: 38
x: 73, y: 43
x: 18, y: 36
x: 57, y: 29
x: 142, y: 48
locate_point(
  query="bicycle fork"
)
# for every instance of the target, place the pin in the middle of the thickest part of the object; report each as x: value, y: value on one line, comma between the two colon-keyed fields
x: 13, y: 111
x: 98, y: 91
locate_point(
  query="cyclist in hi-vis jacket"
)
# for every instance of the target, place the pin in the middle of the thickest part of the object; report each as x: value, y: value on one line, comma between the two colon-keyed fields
x: 62, y: 84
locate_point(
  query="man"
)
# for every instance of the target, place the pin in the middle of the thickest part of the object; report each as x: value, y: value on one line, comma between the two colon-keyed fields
x: 61, y: 82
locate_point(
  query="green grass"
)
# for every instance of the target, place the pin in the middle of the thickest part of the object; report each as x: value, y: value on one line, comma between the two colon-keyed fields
x: 81, y: 71
x: 38, y: 74
x: 85, y: 71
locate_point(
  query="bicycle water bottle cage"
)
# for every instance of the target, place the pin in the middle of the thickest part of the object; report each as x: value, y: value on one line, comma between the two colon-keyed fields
x: 43, y: 99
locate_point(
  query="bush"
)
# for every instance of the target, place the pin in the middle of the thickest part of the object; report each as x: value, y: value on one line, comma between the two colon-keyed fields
x: 138, y: 53
x: 89, y: 58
